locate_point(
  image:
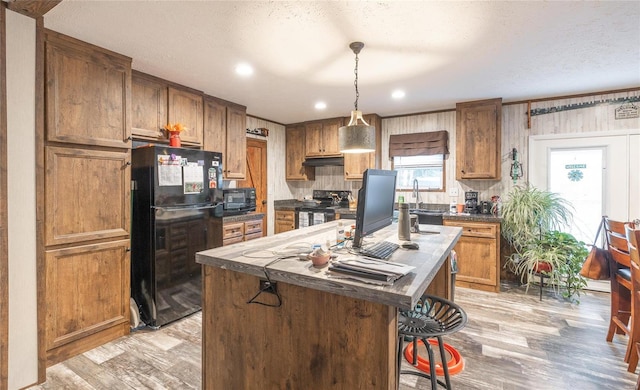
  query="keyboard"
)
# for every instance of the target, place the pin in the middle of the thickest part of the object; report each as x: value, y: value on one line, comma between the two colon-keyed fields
x: 380, y: 250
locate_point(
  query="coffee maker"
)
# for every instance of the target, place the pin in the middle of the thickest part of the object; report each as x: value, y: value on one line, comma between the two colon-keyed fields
x: 471, y: 202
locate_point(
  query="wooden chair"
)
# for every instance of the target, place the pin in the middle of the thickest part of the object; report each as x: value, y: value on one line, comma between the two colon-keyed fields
x: 633, y: 237
x: 620, y: 280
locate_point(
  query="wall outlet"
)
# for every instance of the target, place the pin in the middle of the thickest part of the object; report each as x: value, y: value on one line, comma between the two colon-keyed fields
x: 453, y: 191
x: 269, y: 287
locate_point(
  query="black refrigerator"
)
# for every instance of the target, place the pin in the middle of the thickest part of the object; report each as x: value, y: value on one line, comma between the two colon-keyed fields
x: 175, y: 194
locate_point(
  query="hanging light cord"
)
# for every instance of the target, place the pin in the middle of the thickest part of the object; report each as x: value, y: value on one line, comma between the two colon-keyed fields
x: 356, y: 82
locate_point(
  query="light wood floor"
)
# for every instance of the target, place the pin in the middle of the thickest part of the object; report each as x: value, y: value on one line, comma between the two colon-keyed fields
x: 512, y: 341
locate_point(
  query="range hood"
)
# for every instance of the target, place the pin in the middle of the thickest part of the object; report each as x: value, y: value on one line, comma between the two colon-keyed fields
x: 323, y: 161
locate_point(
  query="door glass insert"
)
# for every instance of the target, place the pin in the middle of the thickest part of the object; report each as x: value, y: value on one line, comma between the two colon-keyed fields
x: 577, y: 175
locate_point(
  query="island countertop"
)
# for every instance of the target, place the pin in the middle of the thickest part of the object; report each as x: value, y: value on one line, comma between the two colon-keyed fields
x: 275, y: 255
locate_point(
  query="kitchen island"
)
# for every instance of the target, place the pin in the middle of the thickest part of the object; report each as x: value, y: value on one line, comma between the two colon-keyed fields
x: 318, y: 332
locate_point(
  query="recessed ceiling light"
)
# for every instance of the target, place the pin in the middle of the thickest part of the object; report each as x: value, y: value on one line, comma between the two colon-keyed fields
x: 244, y: 69
x: 321, y: 105
x: 398, y: 94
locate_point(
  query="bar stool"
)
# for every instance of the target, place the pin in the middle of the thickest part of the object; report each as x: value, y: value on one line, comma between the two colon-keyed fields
x: 433, y: 317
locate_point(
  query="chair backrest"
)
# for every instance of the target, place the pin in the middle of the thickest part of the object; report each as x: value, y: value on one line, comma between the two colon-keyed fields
x: 617, y: 241
x: 633, y: 238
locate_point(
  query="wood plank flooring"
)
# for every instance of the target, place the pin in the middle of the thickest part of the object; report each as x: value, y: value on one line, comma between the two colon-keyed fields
x: 512, y: 341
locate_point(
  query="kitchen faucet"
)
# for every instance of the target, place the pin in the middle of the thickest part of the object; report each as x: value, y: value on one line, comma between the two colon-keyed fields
x: 416, y: 192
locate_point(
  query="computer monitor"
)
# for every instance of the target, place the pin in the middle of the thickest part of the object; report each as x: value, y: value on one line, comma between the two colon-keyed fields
x: 375, y: 203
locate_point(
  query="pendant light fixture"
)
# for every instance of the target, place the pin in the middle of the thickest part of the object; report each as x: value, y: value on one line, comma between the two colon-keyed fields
x: 357, y: 136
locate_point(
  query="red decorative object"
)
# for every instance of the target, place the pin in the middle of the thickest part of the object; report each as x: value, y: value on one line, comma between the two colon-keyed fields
x: 174, y: 139
x: 542, y: 267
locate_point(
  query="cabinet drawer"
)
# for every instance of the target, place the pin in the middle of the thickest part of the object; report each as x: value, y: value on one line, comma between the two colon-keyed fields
x: 251, y: 227
x: 470, y: 229
x: 232, y: 240
x: 252, y: 236
x: 285, y: 216
x: 231, y: 230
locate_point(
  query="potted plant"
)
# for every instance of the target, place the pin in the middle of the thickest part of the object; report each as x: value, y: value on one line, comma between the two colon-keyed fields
x: 559, y: 256
x: 531, y: 219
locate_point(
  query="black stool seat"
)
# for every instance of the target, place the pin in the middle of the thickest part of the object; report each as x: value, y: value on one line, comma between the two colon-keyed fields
x: 432, y: 317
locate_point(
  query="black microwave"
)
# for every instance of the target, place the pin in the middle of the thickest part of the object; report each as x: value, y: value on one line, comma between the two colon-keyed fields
x: 239, y: 200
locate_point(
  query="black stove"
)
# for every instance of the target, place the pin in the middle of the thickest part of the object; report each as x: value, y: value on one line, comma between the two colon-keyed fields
x: 327, y: 201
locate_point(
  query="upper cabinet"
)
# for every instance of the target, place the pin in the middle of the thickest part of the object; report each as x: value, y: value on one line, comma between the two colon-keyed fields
x: 322, y: 138
x: 295, y: 153
x: 149, y: 106
x: 156, y: 102
x: 478, y: 139
x: 88, y: 90
x: 356, y: 163
x: 225, y: 131
x: 185, y: 106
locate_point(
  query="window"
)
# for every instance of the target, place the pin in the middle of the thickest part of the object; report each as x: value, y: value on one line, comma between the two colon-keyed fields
x: 419, y: 156
x: 429, y: 170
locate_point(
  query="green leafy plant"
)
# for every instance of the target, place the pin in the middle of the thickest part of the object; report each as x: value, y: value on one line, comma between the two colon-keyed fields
x: 559, y: 256
x: 528, y: 213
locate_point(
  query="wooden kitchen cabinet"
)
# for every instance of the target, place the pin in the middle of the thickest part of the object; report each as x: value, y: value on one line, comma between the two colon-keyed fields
x: 185, y: 106
x: 478, y: 255
x: 156, y: 102
x: 86, y: 173
x: 478, y: 139
x: 230, y: 230
x: 149, y: 102
x: 295, y: 154
x: 88, y: 93
x: 225, y: 132
x: 356, y: 163
x: 87, y: 295
x: 321, y: 138
x: 285, y: 221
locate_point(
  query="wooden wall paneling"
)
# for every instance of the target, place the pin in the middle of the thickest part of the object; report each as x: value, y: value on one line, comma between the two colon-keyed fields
x: 88, y: 93
x: 87, y: 195
x: 87, y: 293
x: 4, y: 257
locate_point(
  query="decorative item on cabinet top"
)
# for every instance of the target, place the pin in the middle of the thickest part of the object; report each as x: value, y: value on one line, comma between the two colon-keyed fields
x: 261, y: 131
x: 173, y: 132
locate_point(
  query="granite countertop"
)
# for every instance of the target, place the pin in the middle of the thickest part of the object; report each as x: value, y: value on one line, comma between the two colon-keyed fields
x: 250, y: 257
x: 471, y: 217
x: 242, y: 217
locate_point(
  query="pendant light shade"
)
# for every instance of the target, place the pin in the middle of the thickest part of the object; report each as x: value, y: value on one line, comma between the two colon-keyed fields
x: 357, y: 136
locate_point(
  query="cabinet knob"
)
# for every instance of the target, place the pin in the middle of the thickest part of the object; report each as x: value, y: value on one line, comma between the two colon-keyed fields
x: 129, y: 138
x: 128, y: 249
x: 128, y: 163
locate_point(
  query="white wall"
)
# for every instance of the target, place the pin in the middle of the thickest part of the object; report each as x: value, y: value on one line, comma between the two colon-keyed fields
x: 23, y: 332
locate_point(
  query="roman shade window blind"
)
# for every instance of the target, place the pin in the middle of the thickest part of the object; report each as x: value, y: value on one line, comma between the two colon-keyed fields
x: 419, y: 144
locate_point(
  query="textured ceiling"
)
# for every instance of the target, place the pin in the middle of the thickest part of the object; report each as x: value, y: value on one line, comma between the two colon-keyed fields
x: 439, y: 52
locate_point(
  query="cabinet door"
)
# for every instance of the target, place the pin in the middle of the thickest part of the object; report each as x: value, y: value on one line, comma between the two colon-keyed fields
x: 330, y: 137
x: 87, y: 195
x: 295, y: 154
x: 87, y: 292
x: 186, y: 107
x: 215, y: 126
x: 356, y: 163
x: 478, y: 139
x: 148, y: 107
x: 285, y: 221
x: 478, y: 255
x: 236, y: 156
x: 88, y: 94
x: 313, y: 139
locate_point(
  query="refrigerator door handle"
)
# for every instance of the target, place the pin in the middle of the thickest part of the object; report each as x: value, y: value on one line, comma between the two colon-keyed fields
x: 209, y: 206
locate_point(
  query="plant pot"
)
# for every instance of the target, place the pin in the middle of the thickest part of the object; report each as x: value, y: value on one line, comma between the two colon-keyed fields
x: 542, y: 267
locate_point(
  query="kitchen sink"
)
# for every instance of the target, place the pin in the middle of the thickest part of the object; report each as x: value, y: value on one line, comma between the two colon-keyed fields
x: 428, y: 217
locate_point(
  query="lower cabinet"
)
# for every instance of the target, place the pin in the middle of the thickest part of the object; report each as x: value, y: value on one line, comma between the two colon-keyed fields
x: 87, y: 297
x: 285, y: 221
x: 230, y: 230
x: 478, y: 255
